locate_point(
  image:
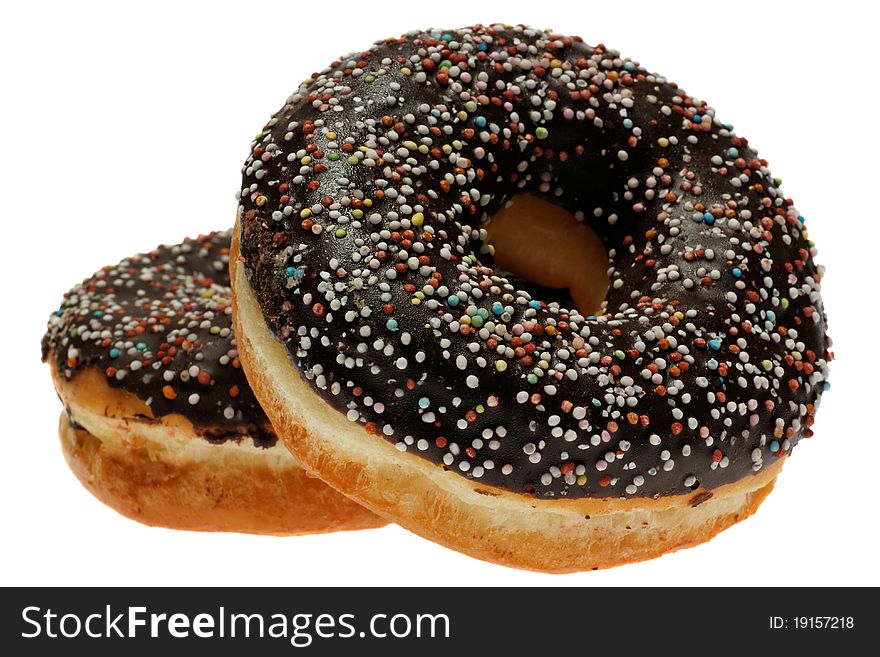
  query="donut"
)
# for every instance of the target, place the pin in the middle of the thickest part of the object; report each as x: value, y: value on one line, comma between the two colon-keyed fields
x: 406, y: 221
x: 159, y: 422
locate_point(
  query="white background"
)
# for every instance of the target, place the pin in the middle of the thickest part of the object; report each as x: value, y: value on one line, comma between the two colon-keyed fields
x: 125, y: 125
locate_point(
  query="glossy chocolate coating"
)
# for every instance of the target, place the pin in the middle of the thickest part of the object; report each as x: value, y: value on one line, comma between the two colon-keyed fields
x: 159, y: 325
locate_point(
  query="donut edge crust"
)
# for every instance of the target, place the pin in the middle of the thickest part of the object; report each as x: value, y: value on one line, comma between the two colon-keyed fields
x: 160, y: 473
x: 556, y: 536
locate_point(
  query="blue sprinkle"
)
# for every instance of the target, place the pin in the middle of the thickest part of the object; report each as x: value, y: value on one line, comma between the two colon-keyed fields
x: 774, y: 445
x: 535, y: 304
x: 114, y: 353
x: 802, y: 219
x: 715, y: 344
x: 391, y: 324
x: 712, y: 364
x: 482, y: 312
x: 709, y: 218
x: 732, y: 152
x: 141, y: 346
x: 629, y: 66
x: 97, y: 313
x: 497, y: 308
x: 627, y: 123
x: 447, y: 38
x: 771, y: 316
x: 295, y: 273
x: 480, y: 121
x: 596, y: 402
x: 482, y: 46
x: 728, y: 126
x: 736, y: 271
x: 826, y: 385
x: 453, y: 300
x: 424, y: 402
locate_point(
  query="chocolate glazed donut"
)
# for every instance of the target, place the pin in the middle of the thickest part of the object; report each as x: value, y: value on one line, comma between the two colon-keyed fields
x: 470, y: 405
x: 159, y: 422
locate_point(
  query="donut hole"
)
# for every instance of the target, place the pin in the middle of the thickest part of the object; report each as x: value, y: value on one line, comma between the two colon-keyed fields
x: 547, y: 246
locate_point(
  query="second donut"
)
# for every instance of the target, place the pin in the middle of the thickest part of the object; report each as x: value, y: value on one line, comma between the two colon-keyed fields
x: 160, y: 423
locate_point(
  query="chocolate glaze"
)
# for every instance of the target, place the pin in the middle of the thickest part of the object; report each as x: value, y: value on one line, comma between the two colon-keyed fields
x: 361, y: 208
x: 159, y: 325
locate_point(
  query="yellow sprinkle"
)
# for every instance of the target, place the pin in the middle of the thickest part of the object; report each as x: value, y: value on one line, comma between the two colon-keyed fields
x: 411, y: 145
x: 415, y: 301
x: 500, y: 365
x: 663, y: 141
x: 423, y: 149
x: 447, y: 149
x: 331, y: 135
x: 305, y: 213
x: 555, y: 63
x: 368, y: 202
x: 305, y: 160
x: 418, y: 219
x: 406, y: 71
x: 582, y: 480
x: 464, y: 319
x: 462, y: 115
